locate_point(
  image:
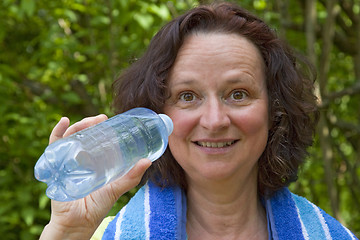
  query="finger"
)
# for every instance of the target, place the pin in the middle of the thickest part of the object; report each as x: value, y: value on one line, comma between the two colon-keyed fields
x: 59, y: 129
x: 85, y: 123
x: 131, y: 179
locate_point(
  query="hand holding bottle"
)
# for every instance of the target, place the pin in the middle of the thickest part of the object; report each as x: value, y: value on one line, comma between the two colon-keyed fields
x: 77, y: 165
x: 79, y: 219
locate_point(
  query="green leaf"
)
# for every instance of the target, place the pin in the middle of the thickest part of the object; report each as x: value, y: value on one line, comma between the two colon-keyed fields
x: 162, y: 11
x: 28, y: 7
x: 144, y: 20
x: 260, y: 4
x: 28, y: 215
x: 100, y: 20
x: 71, y: 98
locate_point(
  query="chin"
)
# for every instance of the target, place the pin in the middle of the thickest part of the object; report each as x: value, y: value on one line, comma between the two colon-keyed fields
x: 221, y: 172
x: 217, y: 172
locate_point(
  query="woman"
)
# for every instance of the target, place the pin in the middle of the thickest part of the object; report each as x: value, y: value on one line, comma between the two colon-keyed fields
x: 243, y: 117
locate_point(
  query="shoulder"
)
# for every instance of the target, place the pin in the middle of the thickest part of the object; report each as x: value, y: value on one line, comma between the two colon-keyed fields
x: 311, y: 213
x: 306, y: 218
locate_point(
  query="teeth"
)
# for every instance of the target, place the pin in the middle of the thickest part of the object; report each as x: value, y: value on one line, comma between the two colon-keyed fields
x: 215, y: 144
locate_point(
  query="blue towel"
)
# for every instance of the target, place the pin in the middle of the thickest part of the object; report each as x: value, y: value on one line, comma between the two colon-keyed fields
x: 153, y: 213
x: 156, y: 213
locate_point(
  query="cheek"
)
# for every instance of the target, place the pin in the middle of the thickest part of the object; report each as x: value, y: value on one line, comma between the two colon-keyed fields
x: 184, y: 123
x: 254, y: 122
x: 180, y: 138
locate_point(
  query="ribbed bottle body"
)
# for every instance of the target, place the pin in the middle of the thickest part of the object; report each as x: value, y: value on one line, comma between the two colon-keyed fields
x: 77, y: 165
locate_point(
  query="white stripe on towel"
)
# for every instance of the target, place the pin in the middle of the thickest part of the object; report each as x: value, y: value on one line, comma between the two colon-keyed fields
x: 118, y: 224
x: 303, y: 229
x: 349, y: 232
x: 147, y: 212
x: 323, y: 222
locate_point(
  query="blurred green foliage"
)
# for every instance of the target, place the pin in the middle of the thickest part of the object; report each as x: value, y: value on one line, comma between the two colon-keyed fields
x: 59, y: 58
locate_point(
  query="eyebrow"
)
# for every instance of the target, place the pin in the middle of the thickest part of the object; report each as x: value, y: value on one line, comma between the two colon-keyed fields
x: 231, y: 80
x: 187, y: 80
x: 237, y: 80
x: 184, y: 82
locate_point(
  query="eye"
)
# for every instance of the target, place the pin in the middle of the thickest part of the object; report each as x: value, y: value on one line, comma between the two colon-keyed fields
x: 187, y: 97
x: 238, y: 95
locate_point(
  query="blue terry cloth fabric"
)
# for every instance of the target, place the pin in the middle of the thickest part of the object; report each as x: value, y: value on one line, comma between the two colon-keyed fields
x: 153, y: 213
x: 156, y: 213
x: 294, y: 217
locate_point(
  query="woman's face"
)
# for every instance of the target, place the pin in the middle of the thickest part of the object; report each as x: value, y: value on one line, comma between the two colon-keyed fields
x: 219, y: 105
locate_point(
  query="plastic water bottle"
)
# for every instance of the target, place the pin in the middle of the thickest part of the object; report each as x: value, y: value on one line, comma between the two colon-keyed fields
x: 77, y: 165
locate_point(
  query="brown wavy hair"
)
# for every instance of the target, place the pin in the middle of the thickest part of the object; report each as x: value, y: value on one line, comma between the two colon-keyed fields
x: 292, y: 104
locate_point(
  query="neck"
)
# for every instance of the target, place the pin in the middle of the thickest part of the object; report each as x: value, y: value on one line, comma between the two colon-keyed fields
x: 225, y: 211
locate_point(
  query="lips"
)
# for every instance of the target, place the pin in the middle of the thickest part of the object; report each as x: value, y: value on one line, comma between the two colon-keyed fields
x: 215, y: 144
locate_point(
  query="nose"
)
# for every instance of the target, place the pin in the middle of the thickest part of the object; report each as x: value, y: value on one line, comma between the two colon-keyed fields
x: 214, y: 115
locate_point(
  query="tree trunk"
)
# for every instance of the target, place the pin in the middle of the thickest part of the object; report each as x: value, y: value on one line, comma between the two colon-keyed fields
x: 357, y: 76
x: 310, y: 29
x: 323, y: 128
x: 282, y: 7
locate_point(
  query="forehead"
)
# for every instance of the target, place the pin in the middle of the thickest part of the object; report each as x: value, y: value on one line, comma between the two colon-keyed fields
x: 219, y: 40
x: 221, y: 54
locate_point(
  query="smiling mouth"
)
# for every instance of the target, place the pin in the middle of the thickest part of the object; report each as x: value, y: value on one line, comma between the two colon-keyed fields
x: 215, y: 144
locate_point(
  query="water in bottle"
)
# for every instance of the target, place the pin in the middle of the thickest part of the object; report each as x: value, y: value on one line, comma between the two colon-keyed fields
x: 77, y: 165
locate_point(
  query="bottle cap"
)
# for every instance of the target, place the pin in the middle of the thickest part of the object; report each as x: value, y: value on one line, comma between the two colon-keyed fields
x: 168, y: 123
